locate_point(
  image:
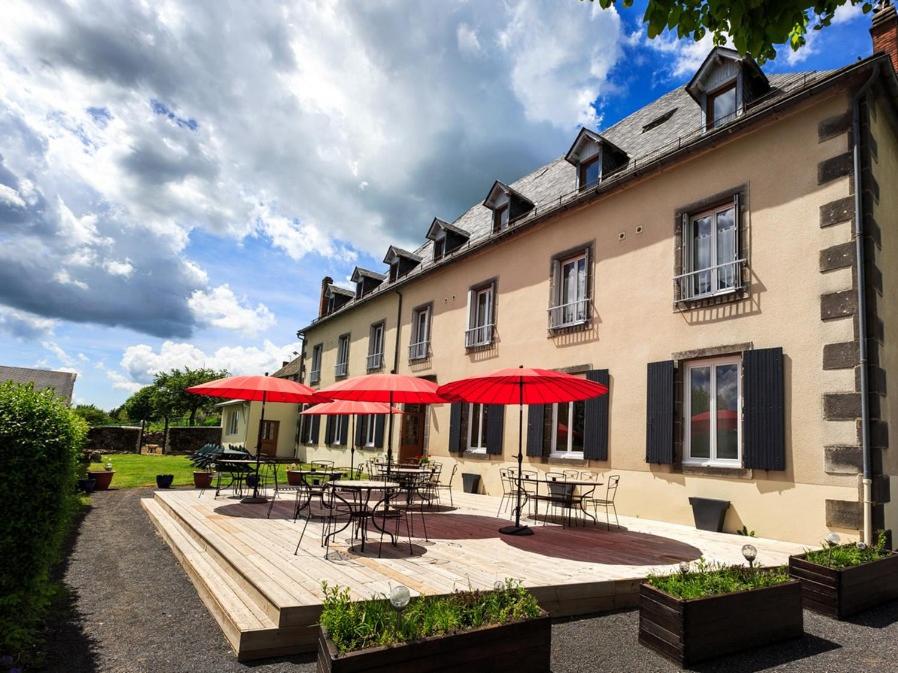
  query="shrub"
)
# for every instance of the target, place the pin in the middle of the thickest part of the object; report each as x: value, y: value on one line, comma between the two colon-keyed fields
x: 711, y: 579
x: 40, y: 441
x: 356, y: 625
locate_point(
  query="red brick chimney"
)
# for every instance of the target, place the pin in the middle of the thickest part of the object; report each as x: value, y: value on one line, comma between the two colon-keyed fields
x: 885, y: 31
x: 322, y: 301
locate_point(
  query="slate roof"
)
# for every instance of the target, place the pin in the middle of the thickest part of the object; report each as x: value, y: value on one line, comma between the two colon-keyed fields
x: 555, y: 184
x: 62, y: 383
x: 289, y: 370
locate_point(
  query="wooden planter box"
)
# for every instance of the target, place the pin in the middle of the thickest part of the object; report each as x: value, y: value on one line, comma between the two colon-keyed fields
x: 520, y: 647
x: 688, y: 631
x: 845, y: 592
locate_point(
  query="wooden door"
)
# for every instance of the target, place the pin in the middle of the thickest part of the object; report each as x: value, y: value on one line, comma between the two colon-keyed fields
x: 269, y: 444
x: 411, y: 437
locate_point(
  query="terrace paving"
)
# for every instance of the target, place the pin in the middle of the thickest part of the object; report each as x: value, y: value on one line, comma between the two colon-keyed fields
x: 129, y: 607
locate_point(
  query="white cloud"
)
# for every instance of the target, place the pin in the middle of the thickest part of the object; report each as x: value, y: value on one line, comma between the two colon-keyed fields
x: 59, y: 352
x: 141, y: 362
x: 121, y: 382
x: 685, y: 55
x: 220, y: 307
x: 468, y: 42
x: 11, y: 197
x: 23, y: 325
x: 119, y: 268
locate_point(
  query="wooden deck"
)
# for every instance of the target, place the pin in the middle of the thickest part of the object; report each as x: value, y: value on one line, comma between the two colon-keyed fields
x: 267, y: 600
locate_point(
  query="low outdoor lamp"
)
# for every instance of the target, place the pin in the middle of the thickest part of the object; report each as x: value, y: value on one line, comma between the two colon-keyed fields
x: 684, y: 567
x: 832, y: 539
x: 861, y: 545
x: 399, y: 598
x: 750, y: 552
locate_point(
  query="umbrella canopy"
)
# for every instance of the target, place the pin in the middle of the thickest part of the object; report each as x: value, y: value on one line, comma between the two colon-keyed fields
x: 349, y: 408
x: 259, y: 389
x: 390, y: 388
x: 520, y: 385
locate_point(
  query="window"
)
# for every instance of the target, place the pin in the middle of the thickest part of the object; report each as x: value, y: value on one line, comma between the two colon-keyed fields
x: 712, y: 412
x: 501, y: 217
x: 474, y: 426
x: 439, y: 248
x: 376, y: 346
x: 308, y: 424
x: 370, y: 430
x: 342, y: 366
x: 339, y: 430
x: 315, y: 372
x: 570, y: 303
x: 563, y: 428
x: 233, y: 421
x: 590, y: 172
x: 420, y: 346
x: 480, y: 317
x: 721, y: 105
x: 710, y: 253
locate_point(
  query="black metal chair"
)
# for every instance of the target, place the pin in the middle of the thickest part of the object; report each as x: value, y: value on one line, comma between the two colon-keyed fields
x: 608, y: 501
x: 447, y: 486
x: 508, y: 479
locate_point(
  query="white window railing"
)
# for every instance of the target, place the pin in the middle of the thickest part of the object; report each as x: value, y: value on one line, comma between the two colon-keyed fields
x: 375, y: 361
x: 570, y: 314
x: 709, y: 282
x: 314, y: 376
x: 479, y: 336
x: 419, y: 351
x: 341, y: 368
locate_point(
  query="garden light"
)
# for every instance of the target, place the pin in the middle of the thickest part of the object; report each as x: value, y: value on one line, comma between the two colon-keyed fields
x: 832, y: 539
x: 750, y: 552
x: 684, y: 567
x: 399, y: 597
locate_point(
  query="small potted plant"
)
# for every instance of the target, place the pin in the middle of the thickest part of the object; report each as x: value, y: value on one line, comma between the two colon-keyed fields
x: 840, y: 580
x: 164, y: 480
x: 102, y: 477
x: 707, y: 610
x: 294, y: 478
x: 500, y: 630
x: 86, y: 483
x: 202, y: 478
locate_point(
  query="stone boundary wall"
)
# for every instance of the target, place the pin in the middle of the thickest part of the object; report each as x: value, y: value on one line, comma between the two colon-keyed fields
x: 113, y: 439
x: 189, y: 439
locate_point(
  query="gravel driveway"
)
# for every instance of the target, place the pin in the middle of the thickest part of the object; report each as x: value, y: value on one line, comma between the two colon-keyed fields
x: 130, y: 608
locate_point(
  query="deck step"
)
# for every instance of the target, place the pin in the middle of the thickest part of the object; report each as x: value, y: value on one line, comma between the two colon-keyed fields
x: 247, y: 625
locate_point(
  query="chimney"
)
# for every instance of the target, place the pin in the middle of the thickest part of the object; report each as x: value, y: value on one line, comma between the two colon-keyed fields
x: 322, y: 301
x: 884, y: 31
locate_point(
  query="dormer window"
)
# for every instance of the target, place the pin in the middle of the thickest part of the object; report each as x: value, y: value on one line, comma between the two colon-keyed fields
x: 366, y: 281
x: 337, y: 297
x: 594, y: 158
x: 400, y: 262
x: 507, y: 205
x: 447, y: 238
x: 724, y: 85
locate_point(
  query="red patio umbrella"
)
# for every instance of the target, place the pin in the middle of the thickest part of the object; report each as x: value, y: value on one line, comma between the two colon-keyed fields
x: 350, y: 408
x: 521, y: 386
x: 258, y: 389
x: 389, y: 388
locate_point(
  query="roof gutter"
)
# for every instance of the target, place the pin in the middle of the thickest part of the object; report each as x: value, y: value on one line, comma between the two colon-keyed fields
x: 867, y: 463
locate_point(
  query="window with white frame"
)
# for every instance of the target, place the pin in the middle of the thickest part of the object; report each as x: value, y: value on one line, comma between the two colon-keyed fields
x: 710, y: 253
x: 370, y: 430
x: 420, y: 345
x: 720, y: 106
x: 480, y: 317
x: 474, y: 426
x: 233, y: 421
x: 570, y: 303
x: 376, y: 346
x: 315, y: 371
x: 308, y: 423
x: 712, y: 412
x: 341, y: 368
x: 563, y: 425
x: 340, y: 423
x: 589, y: 172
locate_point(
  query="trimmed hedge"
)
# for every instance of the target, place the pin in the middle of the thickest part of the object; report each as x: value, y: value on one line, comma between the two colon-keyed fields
x: 40, y: 440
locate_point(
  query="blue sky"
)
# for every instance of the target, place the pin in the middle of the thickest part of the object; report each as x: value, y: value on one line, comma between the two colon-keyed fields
x: 171, y: 193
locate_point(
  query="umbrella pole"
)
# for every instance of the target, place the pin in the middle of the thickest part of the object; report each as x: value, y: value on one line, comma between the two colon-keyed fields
x: 518, y: 529
x: 255, y: 497
x: 390, y: 440
x: 352, y: 449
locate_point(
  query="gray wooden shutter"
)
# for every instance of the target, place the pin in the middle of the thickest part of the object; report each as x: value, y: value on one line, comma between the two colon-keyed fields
x: 455, y: 444
x: 595, y: 421
x: 660, y: 413
x: 329, y: 430
x: 379, y: 422
x: 535, y: 413
x: 763, y: 409
x: 495, y: 428
x: 316, y: 429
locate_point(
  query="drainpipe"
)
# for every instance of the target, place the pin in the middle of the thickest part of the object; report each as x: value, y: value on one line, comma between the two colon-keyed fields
x: 867, y: 483
x: 396, y: 345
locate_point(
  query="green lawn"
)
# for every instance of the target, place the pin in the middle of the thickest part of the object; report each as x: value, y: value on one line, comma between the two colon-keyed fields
x: 136, y: 470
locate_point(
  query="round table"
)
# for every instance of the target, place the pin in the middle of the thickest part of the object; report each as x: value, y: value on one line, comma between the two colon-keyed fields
x: 359, y: 504
x: 590, y: 484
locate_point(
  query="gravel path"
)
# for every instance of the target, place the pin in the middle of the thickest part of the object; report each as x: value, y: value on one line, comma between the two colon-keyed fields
x: 129, y: 608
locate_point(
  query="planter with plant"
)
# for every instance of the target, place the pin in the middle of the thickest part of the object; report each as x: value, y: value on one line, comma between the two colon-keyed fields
x: 102, y: 477
x: 164, y: 480
x: 503, y: 630
x: 842, y: 580
x: 708, y: 610
x: 294, y: 478
x: 202, y: 478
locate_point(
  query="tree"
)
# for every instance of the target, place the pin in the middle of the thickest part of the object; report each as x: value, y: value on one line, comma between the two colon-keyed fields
x: 141, y: 406
x: 755, y: 26
x: 170, y: 398
x: 93, y: 415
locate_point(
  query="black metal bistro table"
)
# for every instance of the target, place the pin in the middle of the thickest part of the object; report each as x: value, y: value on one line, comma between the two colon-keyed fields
x: 356, y: 495
x: 315, y: 481
x: 562, y: 492
x: 238, y: 476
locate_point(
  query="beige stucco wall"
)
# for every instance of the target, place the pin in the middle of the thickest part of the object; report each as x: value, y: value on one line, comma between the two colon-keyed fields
x: 248, y: 427
x: 885, y: 213
x: 635, y: 322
